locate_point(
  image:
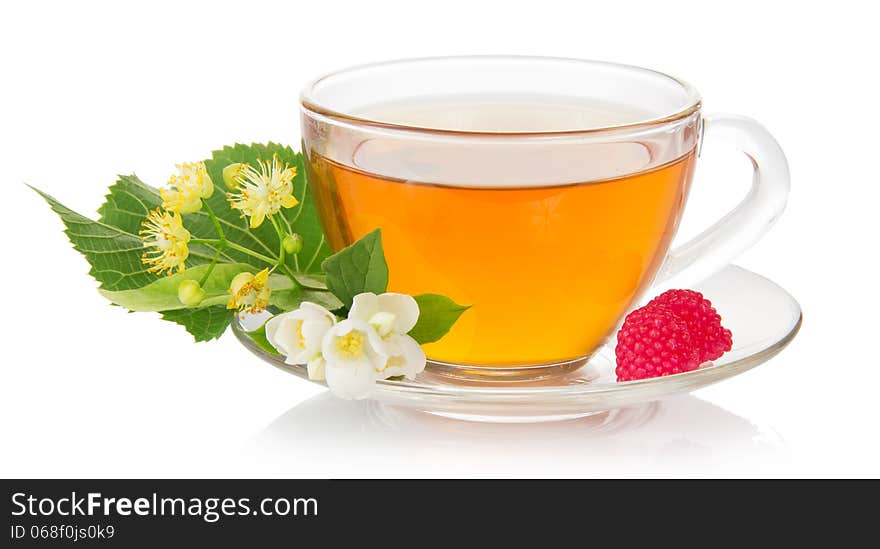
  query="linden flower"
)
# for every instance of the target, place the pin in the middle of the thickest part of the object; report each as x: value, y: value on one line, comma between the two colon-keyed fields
x: 164, y: 232
x: 249, y: 292
x: 298, y: 334
x: 187, y: 189
x: 264, y: 192
x: 354, y: 354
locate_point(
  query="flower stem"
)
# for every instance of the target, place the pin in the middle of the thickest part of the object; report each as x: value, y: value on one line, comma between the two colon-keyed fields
x: 212, y: 265
x: 208, y: 241
x: 220, y: 244
x: 214, y: 219
x: 242, y: 249
x: 281, y: 234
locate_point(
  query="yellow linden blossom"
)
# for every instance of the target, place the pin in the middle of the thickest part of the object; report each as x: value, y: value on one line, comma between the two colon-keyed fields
x: 164, y: 232
x: 264, y: 192
x: 187, y: 188
x: 249, y: 292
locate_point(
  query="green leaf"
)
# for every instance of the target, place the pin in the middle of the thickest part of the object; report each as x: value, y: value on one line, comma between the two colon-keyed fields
x: 288, y: 300
x: 204, y: 324
x: 114, y: 254
x: 161, y: 295
x: 114, y: 249
x: 127, y: 203
x: 437, y: 314
x: 358, y: 268
x: 301, y: 219
x: 286, y: 296
x: 317, y: 281
x: 258, y: 336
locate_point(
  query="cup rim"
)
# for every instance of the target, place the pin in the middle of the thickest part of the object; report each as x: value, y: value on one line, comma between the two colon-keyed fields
x: 692, y: 104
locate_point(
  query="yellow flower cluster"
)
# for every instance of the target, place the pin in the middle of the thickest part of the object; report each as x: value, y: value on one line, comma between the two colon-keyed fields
x: 249, y: 292
x: 261, y: 193
x: 164, y: 232
x: 187, y: 188
x: 257, y: 192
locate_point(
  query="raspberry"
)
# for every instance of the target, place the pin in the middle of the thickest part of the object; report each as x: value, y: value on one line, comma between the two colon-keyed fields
x: 703, y: 321
x: 654, y: 342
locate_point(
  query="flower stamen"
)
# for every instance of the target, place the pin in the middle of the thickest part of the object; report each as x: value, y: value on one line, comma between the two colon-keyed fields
x: 164, y: 232
x: 263, y: 193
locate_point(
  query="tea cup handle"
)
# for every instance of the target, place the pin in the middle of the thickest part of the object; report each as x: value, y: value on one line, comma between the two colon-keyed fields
x: 717, y: 246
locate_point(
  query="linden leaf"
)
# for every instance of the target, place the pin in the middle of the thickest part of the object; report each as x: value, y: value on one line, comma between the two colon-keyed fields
x: 437, y: 314
x: 161, y: 295
x: 204, y: 324
x: 286, y: 297
x: 358, y: 268
x: 127, y: 203
x: 290, y: 299
x: 114, y: 254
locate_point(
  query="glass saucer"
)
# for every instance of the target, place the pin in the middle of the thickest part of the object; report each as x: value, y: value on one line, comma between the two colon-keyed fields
x: 763, y: 317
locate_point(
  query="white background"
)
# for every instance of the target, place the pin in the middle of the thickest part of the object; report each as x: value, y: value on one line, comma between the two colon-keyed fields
x: 90, y: 90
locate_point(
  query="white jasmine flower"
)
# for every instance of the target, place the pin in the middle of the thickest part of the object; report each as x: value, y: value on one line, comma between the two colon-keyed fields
x: 298, y: 334
x: 388, y: 313
x: 354, y: 354
x: 407, y: 357
x: 392, y: 316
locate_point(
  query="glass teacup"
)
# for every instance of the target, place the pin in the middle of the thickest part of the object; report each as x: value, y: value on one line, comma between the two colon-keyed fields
x: 543, y: 192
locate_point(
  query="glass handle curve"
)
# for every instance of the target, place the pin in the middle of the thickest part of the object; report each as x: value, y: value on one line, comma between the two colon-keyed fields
x: 717, y: 246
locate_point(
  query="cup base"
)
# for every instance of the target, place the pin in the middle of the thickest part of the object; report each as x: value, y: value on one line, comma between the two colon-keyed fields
x: 505, y: 374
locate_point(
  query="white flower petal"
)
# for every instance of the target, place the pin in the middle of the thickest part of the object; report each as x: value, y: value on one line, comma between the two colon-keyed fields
x: 364, y: 306
x: 409, y: 353
x: 350, y: 380
x: 272, y: 326
x: 313, y: 333
x: 316, y: 310
x: 309, y: 321
x: 372, y: 347
x: 301, y: 357
x: 403, y: 307
x: 281, y: 332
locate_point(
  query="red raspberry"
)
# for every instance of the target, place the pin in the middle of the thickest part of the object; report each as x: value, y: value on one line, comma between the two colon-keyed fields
x: 654, y: 342
x: 703, y: 321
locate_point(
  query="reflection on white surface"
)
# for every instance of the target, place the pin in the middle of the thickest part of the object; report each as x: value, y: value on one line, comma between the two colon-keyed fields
x: 679, y: 436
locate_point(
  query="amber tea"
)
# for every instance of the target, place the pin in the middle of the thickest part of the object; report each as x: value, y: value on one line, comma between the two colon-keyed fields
x: 548, y: 268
